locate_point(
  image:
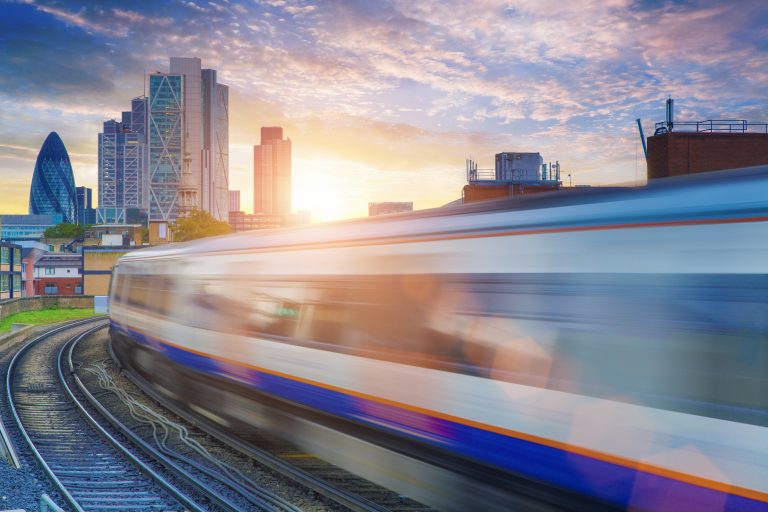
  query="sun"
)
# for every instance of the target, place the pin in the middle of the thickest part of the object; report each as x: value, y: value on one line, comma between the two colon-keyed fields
x: 320, y: 187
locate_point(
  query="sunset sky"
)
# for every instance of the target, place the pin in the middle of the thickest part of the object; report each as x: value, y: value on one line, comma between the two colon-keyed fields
x: 385, y: 100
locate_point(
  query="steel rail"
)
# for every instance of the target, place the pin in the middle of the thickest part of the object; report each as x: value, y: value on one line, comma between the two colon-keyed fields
x: 277, y: 502
x: 173, y: 490
x: 341, y: 496
x: 86, y: 488
x: 14, y: 412
x: 5, y: 438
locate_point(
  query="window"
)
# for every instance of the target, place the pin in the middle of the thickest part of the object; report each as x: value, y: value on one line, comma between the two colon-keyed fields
x: 51, y: 289
x: 49, y: 271
x: 4, y: 255
x: 16, y: 282
x: 4, y: 283
x: 138, y: 292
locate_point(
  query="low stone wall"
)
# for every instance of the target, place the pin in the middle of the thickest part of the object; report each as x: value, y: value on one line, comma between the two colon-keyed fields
x: 13, y: 306
x: 11, y: 338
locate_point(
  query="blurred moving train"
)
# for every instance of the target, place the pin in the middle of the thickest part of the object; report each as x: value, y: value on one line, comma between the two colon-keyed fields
x: 564, y: 351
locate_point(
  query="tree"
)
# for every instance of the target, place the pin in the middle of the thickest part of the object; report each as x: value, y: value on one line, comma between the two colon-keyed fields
x: 64, y: 230
x: 199, y: 224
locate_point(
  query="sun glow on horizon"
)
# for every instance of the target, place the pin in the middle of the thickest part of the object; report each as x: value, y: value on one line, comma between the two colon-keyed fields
x: 327, y: 189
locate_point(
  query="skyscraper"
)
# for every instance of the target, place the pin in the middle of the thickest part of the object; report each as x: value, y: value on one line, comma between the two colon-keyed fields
x: 53, y: 184
x: 272, y: 173
x: 188, y: 138
x: 123, y: 183
x: 165, y: 143
x: 85, y: 212
x: 215, y: 145
x: 190, y: 182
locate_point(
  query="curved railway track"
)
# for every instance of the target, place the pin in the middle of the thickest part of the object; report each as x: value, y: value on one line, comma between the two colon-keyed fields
x: 91, y: 457
x: 224, y: 487
x: 92, y: 472
x: 335, y: 484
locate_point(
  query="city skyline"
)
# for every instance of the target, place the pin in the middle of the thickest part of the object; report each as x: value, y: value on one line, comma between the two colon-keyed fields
x: 385, y: 101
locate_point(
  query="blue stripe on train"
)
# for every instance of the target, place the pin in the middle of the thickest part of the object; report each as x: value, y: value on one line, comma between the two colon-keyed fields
x: 613, y: 483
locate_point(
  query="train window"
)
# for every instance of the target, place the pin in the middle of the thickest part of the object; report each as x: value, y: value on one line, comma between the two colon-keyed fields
x: 139, y: 292
x: 116, y: 287
x: 161, y: 296
x: 658, y: 341
x: 328, y: 322
x: 200, y: 309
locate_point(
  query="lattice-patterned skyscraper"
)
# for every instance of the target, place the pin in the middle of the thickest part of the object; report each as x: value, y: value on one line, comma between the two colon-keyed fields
x: 188, y: 137
x: 165, y: 135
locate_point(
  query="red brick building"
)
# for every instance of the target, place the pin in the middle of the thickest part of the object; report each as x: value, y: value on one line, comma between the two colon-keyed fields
x: 479, y: 191
x: 678, y: 153
x: 59, y: 274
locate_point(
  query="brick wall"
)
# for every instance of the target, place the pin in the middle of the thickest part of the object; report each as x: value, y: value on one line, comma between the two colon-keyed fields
x: 13, y: 306
x: 679, y: 153
x: 65, y: 285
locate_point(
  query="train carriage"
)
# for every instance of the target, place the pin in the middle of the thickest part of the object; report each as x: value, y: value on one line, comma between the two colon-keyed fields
x: 575, y: 350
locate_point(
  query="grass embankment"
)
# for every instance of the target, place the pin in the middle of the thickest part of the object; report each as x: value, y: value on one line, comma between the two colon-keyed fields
x: 44, y: 316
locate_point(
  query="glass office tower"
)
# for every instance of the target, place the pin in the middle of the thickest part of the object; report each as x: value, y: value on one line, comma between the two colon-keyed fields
x: 53, y: 184
x: 164, y: 138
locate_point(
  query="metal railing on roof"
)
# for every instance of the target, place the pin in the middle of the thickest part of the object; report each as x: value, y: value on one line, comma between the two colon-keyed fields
x: 712, y: 126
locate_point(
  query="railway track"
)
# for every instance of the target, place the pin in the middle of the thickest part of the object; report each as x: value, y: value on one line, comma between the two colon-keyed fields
x: 91, y: 455
x: 337, y: 485
x: 91, y: 472
x: 172, y: 445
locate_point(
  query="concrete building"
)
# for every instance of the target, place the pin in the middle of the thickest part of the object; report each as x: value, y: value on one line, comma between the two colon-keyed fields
x: 31, y: 252
x: 512, y: 166
x: 241, y: 221
x: 272, y: 173
x: 114, y: 234
x: 62, y: 245
x: 86, y: 214
x: 215, y: 146
x: 98, y: 262
x: 58, y: 274
x: 191, y: 179
x: 389, y: 207
x: 27, y: 227
x: 10, y: 271
x: 514, y: 174
x: 234, y: 200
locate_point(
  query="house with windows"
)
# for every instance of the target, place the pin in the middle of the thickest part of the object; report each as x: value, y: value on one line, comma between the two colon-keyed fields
x: 59, y: 274
x: 10, y: 270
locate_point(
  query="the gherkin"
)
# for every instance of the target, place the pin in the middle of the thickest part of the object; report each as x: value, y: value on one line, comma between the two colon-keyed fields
x: 53, y: 185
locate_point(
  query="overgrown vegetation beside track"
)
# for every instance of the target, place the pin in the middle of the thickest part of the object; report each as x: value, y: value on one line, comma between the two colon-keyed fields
x: 44, y: 316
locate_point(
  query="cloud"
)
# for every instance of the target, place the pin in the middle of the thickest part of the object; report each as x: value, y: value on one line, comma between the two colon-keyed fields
x: 79, y: 20
x: 396, y: 87
x: 135, y: 17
